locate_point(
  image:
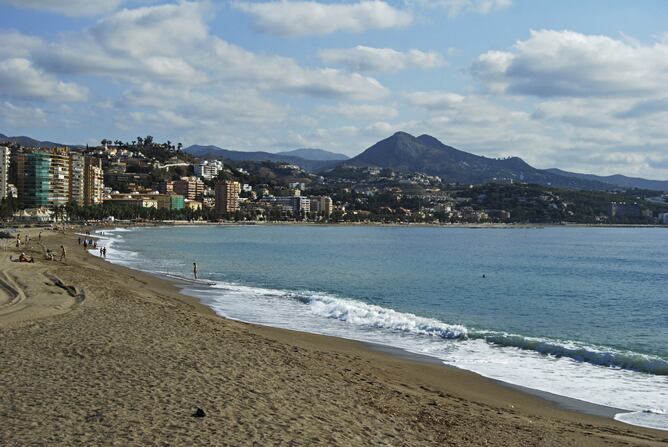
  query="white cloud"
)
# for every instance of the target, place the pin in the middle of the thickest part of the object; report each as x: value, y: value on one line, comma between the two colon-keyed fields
x: 301, y: 18
x: 17, y: 115
x: 434, y: 100
x: 156, y: 31
x: 171, y: 43
x: 360, y: 111
x: 368, y: 59
x: 566, y: 63
x: 75, y: 8
x: 20, y: 79
x: 284, y: 74
x: 456, y: 7
x: 15, y: 44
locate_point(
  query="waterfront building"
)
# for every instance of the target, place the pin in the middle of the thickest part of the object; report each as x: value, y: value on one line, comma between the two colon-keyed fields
x: 132, y: 200
x: 170, y: 201
x: 193, y: 205
x: 4, y: 171
x: 43, y: 177
x: 627, y: 210
x: 315, y: 205
x: 93, y: 181
x: 76, y: 186
x: 227, y: 197
x: 326, y: 206
x: 293, y: 204
x: 192, y: 188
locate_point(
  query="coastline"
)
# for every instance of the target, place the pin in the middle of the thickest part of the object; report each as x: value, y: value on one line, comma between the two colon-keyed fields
x: 264, y: 385
x: 129, y: 224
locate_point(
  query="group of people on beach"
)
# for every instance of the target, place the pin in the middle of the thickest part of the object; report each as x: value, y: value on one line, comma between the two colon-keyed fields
x: 92, y: 243
x: 48, y: 253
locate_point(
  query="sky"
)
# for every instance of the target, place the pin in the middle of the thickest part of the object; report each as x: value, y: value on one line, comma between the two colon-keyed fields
x: 579, y: 85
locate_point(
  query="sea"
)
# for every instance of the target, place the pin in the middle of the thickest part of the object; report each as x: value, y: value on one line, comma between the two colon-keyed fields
x: 576, y: 312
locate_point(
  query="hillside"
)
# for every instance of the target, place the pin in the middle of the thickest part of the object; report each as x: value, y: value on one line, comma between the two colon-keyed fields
x: 217, y: 152
x: 29, y: 142
x: 618, y: 180
x: 314, y: 154
x: 404, y: 152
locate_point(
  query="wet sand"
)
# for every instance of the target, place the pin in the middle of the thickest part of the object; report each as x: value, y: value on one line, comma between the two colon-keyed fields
x: 97, y: 354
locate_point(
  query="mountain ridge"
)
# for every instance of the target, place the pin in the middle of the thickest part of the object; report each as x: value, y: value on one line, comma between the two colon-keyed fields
x: 29, y: 142
x: 314, y: 154
x: 404, y: 152
x: 211, y: 151
x: 619, y: 180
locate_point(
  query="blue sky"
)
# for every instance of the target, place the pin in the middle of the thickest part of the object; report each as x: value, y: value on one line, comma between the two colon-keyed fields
x: 572, y: 84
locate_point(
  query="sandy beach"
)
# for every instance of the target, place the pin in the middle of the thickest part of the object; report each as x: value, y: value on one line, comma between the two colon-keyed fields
x: 97, y: 354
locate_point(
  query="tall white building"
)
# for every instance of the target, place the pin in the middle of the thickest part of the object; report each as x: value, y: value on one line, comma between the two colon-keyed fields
x: 4, y: 171
x: 208, y: 169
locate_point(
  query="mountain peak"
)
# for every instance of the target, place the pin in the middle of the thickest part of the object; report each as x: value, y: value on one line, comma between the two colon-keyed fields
x: 402, y: 134
x: 404, y: 152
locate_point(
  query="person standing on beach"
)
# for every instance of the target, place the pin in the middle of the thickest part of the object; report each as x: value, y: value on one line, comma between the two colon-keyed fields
x: 195, y: 270
x: 63, y: 253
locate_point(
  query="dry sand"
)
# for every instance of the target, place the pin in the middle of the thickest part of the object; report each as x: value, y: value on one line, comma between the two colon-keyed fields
x: 96, y: 354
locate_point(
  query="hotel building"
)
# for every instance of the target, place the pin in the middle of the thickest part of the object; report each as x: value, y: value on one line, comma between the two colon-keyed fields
x: 93, y: 181
x: 76, y: 188
x: 227, y: 197
x: 4, y: 171
x: 43, y: 177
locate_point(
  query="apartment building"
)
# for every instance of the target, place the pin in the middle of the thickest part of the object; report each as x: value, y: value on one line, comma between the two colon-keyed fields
x: 227, y: 197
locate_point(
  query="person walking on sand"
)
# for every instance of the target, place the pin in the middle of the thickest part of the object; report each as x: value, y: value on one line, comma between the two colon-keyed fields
x: 63, y: 253
x: 195, y: 270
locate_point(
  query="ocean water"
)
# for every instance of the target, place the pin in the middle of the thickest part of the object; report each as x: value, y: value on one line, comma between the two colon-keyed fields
x: 578, y: 312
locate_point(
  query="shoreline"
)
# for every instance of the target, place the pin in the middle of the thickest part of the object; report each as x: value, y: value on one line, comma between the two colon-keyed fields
x: 134, y: 321
x: 563, y: 402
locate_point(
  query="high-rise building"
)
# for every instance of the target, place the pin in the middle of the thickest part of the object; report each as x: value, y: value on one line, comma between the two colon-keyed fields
x: 227, y: 197
x: 192, y: 188
x: 76, y: 187
x: 43, y: 177
x: 321, y: 205
x: 326, y: 206
x: 4, y: 171
x: 93, y: 181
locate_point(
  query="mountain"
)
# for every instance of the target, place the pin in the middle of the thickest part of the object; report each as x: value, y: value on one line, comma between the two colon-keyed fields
x: 618, y: 180
x: 217, y: 152
x: 314, y: 154
x: 29, y: 142
x: 404, y: 152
